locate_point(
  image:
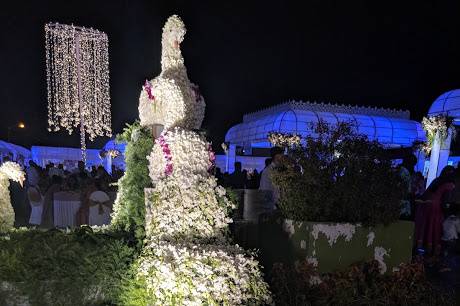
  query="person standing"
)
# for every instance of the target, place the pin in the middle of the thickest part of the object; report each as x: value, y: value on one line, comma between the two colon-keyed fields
x: 430, y: 216
x: 237, y: 179
x: 406, y: 172
x: 266, y: 183
x: 33, y: 174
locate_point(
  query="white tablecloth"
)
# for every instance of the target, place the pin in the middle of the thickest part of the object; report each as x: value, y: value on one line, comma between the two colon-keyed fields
x: 66, y: 206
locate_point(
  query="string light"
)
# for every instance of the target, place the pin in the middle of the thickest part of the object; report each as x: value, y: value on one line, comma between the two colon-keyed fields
x: 77, y: 74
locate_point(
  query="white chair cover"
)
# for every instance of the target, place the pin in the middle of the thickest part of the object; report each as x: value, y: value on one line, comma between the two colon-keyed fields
x: 99, y: 214
x: 66, y: 206
x: 36, y: 206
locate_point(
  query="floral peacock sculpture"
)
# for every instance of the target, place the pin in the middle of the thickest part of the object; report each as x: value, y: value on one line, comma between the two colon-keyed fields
x: 8, y: 171
x: 171, y: 99
x: 187, y: 258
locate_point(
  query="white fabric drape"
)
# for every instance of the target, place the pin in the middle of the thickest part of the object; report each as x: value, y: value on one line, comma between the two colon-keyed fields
x: 66, y: 206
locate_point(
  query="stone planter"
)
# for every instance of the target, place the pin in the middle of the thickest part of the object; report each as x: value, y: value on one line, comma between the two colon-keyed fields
x: 335, y: 246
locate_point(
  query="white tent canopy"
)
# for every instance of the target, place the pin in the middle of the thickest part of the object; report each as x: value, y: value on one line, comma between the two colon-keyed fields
x: 14, y: 152
x: 69, y: 157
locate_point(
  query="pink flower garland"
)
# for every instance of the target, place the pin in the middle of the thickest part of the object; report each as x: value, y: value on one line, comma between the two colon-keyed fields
x: 212, y: 157
x: 148, y: 88
x: 167, y: 154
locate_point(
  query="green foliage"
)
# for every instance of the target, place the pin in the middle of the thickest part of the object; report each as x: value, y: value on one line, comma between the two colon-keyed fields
x: 129, y: 210
x: 134, y: 288
x: 339, y: 176
x: 80, y: 267
x: 361, y: 284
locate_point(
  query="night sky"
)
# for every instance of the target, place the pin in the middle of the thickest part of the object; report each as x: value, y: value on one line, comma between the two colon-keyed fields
x: 244, y: 56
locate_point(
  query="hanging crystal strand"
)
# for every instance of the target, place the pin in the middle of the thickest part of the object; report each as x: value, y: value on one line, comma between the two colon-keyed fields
x: 48, y: 79
x: 78, y: 81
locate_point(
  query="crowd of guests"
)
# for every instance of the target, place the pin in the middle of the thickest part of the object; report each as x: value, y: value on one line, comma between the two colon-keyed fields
x: 239, y: 178
x: 33, y: 203
x: 244, y: 179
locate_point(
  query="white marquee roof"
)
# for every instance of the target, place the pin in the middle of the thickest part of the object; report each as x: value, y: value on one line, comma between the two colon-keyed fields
x: 390, y: 127
x: 446, y: 104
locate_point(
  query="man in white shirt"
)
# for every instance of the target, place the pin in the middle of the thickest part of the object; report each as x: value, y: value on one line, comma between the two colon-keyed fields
x: 266, y: 182
x: 33, y: 175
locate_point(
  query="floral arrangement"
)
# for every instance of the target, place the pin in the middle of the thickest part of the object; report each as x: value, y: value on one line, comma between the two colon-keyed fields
x: 178, y: 102
x: 188, y: 259
x: 212, y: 157
x: 148, y: 89
x: 8, y: 171
x: 283, y: 140
x: 202, y: 274
x: 184, y: 151
x: 224, y: 147
x: 13, y: 171
x: 194, y: 213
x: 435, y: 125
x: 113, y: 153
x: 161, y: 141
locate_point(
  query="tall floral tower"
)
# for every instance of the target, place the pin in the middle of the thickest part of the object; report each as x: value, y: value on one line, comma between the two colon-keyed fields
x: 188, y: 259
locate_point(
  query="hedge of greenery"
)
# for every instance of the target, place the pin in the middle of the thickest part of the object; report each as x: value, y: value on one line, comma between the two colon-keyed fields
x: 361, y: 284
x: 56, y: 267
x: 343, y: 177
x: 129, y: 208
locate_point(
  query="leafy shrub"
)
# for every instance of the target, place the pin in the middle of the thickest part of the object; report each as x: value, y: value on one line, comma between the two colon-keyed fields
x: 361, y: 284
x: 129, y: 208
x: 80, y: 267
x: 337, y: 175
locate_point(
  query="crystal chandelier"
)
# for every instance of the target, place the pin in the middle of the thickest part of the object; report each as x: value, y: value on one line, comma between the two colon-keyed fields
x: 77, y: 74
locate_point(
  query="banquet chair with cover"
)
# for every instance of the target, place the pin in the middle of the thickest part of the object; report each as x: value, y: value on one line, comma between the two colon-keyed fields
x: 100, y: 207
x: 36, y: 201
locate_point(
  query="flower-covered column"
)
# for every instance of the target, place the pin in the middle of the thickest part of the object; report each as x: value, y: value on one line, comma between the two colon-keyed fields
x: 439, y: 155
x: 444, y: 152
x: 439, y: 132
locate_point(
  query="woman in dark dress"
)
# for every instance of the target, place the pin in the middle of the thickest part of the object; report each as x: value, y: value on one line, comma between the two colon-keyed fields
x: 429, y: 216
